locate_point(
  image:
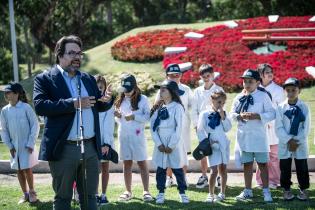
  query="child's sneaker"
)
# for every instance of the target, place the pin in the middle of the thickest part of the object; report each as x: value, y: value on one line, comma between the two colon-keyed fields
x: 288, y: 195
x: 183, y: 198
x: 160, y: 198
x: 210, y: 198
x: 267, y: 195
x: 24, y: 198
x: 32, y: 196
x: 169, y: 181
x: 219, y: 198
x: 246, y: 194
x: 202, y: 182
x: 302, y: 196
x: 103, y: 200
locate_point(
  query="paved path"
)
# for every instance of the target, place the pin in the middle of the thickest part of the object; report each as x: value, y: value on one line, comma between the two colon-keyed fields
x: 117, y: 178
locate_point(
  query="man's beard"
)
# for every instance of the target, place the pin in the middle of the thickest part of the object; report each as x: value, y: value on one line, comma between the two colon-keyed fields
x: 74, y: 66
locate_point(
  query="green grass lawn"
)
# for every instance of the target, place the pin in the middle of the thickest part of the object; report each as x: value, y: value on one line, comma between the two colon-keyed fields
x: 307, y: 95
x: 9, y: 196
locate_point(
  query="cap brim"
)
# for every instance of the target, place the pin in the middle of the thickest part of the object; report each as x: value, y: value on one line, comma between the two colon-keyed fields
x: 174, y: 73
x: 290, y: 84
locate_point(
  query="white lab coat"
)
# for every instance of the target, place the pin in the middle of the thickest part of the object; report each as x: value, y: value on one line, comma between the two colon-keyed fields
x: 283, y: 125
x: 186, y: 99
x: 133, y: 144
x: 278, y: 97
x: 221, y: 154
x: 169, y: 134
x: 251, y: 135
x: 107, y: 127
x: 201, y: 101
x: 20, y: 129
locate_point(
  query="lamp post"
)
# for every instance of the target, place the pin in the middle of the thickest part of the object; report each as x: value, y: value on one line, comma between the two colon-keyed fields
x: 13, y: 42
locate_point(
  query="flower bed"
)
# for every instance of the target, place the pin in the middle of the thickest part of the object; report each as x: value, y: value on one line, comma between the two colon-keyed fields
x: 224, y: 49
x: 147, y: 46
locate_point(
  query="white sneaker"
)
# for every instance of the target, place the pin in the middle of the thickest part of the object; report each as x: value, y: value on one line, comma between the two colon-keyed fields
x: 160, y: 198
x: 246, y: 194
x: 202, y: 182
x: 210, y: 198
x: 169, y: 182
x: 267, y: 195
x: 183, y: 198
x: 219, y: 198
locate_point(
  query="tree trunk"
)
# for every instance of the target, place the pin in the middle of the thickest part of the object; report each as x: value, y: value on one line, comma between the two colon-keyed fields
x: 28, y: 49
x: 109, y: 12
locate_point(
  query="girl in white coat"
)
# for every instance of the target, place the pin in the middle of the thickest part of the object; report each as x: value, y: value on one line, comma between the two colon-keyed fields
x: 174, y: 73
x: 20, y: 130
x: 292, y: 129
x: 107, y: 126
x: 277, y: 97
x: 214, y: 123
x: 132, y: 111
x: 166, y: 128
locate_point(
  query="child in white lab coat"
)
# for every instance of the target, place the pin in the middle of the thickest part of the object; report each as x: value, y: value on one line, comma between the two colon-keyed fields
x: 20, y: 130
x: 132, y: 111
x: 166, y: 129
x: 200, y: 103
x: 214, y: 123
x: 292, y: 129
x: 252, y: 109
x: 107, y: 126
x: 174, y: 73
x: 277, y: 97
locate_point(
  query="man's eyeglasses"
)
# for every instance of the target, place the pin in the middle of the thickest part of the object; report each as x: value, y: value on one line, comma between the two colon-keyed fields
x: 73, y: 54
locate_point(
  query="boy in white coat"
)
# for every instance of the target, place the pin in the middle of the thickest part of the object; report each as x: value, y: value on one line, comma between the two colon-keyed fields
x: 166, y: 129
x: 252, y: 109
x: 292, y: 129
x: 277, y: 95
x: 174, y: 73
x: 200, y: 103
x: 214, y: 123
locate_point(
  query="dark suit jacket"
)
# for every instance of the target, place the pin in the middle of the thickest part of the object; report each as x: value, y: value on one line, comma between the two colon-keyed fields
x: 52, y: 99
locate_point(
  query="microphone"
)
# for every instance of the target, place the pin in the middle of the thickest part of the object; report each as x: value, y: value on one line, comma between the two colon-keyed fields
x: 79, y: 84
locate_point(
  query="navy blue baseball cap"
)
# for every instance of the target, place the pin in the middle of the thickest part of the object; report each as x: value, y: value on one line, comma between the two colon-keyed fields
x: 171, y: 85
x: 173, y: 69
x: 13, y: 87
x: 128, y: 83
x: 291, y: 82
x: 252, y: 74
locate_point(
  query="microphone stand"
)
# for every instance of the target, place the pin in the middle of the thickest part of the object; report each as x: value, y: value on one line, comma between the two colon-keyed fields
x: 81, y: 139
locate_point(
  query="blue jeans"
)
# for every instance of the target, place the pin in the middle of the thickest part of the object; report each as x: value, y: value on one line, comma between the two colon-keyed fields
x: 161, y: 179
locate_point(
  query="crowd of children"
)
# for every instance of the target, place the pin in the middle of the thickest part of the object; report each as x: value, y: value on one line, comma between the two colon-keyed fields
x: 273, y: 124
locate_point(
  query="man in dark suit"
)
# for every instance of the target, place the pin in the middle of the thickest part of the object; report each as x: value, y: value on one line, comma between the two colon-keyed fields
x: 56, y: 97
